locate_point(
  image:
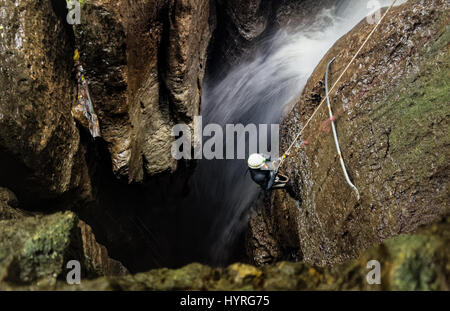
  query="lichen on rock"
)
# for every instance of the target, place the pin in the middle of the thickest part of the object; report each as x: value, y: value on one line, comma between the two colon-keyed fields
x: 408, y: 262
x: 36, y: 249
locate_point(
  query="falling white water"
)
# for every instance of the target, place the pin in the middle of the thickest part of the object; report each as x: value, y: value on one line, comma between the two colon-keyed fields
x: 258, y: 91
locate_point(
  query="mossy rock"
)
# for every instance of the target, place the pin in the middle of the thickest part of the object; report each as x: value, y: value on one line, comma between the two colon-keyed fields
x: 420, y: 261
x: 37, y: 249
x: 417, y: 261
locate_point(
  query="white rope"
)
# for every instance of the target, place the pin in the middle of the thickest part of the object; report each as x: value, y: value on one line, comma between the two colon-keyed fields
x: 336, y: 141
x: 286, y: 154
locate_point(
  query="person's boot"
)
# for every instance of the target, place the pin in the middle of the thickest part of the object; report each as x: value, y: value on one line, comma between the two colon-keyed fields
x: 290, y: 190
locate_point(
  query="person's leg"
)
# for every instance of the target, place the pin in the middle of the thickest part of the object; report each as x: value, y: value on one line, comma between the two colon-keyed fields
x: 291, y: 191
x: 270, y: 181
x: 279, y: 185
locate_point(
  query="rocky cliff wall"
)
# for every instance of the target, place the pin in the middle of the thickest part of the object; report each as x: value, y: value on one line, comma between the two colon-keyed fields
x: 145, y: 62
x: 392, y: 121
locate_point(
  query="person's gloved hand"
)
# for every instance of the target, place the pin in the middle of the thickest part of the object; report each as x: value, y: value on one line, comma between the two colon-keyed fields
x: 267, y: 157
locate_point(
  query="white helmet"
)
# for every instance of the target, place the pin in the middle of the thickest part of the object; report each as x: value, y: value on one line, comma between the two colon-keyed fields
x: 256, y: 161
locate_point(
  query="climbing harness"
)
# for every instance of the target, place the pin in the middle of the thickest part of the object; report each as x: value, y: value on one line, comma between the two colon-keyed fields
x: 297, y: 137
x: 264, y: 172
x: 84, y: 99
x: 280, y: 181
x: 333, y: 128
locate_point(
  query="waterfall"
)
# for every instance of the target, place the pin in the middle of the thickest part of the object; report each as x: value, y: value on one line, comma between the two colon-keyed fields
x: 258, y: 91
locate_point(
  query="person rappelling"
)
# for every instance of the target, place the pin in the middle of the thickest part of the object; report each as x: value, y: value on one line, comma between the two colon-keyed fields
x: 264, y: 172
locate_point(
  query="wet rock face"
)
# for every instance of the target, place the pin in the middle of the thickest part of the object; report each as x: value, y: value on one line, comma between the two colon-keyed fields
x: 191, y: 26
x: 291, y: 12
x: 249, y: 17
x: 101, y: 40
x: 146, y: 62
x: 244, y: 25
x: 391, y: 121
x: 170, y: 92
x: 272, y: 234
x: 240, y: 24
x: 39, y: 142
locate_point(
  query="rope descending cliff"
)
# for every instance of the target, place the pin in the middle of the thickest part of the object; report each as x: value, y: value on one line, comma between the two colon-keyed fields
x: 297, y: 137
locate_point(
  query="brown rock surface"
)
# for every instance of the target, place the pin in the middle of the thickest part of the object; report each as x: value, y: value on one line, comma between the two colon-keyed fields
x: 393, y: 130
x: 98, y: 254
x: 249, y: 17
x: 39, y: 143
x: 9, y: 205
x: 146, y: 62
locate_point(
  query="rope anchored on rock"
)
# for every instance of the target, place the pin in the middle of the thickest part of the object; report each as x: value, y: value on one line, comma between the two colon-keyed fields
x: 297, y: 137
x: 333, y: 128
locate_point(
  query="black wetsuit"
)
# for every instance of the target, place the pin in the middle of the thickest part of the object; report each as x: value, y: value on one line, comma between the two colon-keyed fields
x: 264, y: 178
x: 267, y: 178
